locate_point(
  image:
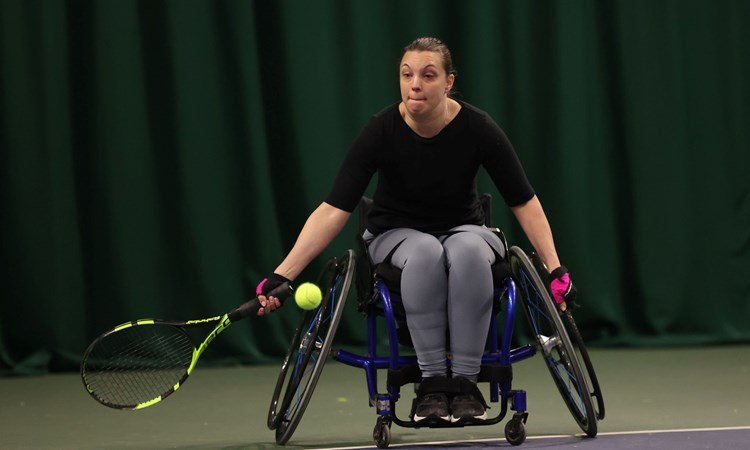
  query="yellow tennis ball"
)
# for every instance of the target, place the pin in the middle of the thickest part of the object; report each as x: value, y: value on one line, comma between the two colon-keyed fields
x: 308, y: 296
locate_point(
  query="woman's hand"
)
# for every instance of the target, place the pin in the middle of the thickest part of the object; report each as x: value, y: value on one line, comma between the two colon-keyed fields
x: 269, y: 303
x: 562, y: 287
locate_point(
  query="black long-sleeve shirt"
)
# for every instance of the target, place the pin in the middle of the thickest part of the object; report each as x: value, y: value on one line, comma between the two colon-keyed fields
x: 428, y: 184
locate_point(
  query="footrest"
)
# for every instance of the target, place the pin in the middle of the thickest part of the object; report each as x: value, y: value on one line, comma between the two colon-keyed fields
x: 439, y: 423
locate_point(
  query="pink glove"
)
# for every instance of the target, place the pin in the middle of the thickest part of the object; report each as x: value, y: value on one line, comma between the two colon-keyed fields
x: 561, y: 285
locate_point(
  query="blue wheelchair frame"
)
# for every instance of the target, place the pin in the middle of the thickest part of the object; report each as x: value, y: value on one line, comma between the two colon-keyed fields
x: 501, y: 355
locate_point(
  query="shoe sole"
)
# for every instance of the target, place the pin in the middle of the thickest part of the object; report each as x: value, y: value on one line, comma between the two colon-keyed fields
x: 467, y: 418
x: 431, y: 418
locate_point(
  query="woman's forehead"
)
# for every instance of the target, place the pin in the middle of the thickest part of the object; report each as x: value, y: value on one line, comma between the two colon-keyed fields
x: 421, y: 59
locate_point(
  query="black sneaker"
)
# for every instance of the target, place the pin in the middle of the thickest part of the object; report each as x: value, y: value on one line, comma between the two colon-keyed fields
x: 431, y: 403
x: 433, y: 407
x: 467, y: 407
x: 469, y: 403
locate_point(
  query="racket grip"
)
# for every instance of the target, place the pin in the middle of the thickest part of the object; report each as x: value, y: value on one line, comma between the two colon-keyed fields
x: 251, y: 307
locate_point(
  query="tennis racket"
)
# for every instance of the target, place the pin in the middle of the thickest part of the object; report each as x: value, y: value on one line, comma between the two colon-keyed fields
x: 140, y: 363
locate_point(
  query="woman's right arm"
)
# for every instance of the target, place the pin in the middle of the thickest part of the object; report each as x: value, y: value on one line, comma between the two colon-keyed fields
x: 327, y: 221
x: 323, y: 225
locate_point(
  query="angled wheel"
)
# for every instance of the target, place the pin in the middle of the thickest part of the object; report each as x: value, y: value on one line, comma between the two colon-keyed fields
x: 580, y: 348
x: 583, y: 355
x: 309, y: 349
x: 559, y: 352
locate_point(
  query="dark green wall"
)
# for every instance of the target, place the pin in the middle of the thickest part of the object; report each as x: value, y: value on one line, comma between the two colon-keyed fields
x: 159, y: 157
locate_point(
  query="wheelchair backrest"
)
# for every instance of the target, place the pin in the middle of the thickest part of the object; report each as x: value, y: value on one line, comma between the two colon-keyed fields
x: 365, y: 204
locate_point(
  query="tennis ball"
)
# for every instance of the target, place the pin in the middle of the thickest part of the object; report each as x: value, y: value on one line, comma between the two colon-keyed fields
x: 308, y: 296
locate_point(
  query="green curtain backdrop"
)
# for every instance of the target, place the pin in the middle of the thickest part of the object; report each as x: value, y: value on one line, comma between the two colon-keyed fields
x: 159, y: 157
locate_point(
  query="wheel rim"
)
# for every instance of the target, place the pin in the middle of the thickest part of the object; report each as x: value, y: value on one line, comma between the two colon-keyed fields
x: 310, y: 349
x: 554, y: 343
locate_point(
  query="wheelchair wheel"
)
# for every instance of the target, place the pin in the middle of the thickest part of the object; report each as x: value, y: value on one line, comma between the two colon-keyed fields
x: 382, y: 432
x: 515, y: 430
x: 583, y: 354
x: 580, y: 348
x: 309, y: 349
x: 560, y: 354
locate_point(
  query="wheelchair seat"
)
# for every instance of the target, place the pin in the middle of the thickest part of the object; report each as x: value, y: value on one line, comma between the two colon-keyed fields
x: 391, y: 275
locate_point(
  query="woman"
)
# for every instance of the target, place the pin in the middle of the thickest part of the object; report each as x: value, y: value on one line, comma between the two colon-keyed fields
x: 427, y: 151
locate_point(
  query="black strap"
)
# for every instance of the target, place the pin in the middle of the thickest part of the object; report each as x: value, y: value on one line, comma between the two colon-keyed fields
x: 496, y: 373
x: 404, y: 375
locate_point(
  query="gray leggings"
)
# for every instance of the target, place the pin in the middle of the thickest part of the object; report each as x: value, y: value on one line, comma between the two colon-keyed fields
x: 446, y: 283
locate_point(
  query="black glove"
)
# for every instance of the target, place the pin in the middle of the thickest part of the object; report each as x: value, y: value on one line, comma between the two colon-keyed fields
x: 269, y: 284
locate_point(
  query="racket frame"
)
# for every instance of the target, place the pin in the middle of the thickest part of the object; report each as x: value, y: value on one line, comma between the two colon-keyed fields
x: 245, y: 310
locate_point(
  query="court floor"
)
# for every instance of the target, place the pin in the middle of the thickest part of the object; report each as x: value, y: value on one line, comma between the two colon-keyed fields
x: 645, y: 390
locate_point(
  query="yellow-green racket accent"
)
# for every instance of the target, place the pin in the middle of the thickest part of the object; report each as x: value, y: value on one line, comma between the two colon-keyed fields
x: 138, y: 364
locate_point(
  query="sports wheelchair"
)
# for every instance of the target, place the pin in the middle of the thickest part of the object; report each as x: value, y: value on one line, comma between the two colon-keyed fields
x: 555, y: 336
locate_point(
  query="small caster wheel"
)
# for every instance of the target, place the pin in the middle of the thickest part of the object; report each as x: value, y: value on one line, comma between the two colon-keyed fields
x: 382, y: 432
x: 515, y: 431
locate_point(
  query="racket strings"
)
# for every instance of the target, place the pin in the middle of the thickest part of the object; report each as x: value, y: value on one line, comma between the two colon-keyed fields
x: 137, y: 364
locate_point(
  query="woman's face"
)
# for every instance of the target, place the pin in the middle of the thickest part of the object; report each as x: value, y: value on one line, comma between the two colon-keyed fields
x: 424, y: 82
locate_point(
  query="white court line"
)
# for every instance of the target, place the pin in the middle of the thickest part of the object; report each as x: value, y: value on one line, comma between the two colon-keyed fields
x: 675, y: 430
x: 551, y: 436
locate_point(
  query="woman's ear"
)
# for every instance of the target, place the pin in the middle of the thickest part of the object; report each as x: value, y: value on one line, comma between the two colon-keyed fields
x: 451, y: 80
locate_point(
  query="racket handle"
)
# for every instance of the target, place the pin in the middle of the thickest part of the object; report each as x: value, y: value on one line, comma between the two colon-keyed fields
x: 251, y: 307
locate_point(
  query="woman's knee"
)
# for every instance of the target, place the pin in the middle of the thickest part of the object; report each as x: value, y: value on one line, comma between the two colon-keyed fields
x: 421, y: 251
x: 468, y: 249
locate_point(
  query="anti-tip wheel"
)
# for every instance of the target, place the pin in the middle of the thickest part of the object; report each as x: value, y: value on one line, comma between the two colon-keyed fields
x: 515, y: 432
x: 382, y: 433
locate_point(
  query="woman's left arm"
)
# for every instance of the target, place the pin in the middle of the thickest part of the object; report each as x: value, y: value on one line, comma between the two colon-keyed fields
x: 536, y: 226
x: 534, y: 223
